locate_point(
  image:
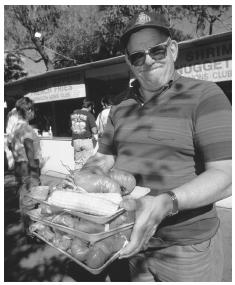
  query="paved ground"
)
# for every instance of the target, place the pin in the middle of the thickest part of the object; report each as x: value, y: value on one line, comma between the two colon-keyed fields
x: 29, y: 260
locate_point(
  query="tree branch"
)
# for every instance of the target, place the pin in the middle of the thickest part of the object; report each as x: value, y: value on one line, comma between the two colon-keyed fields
x: 224, y: 25
x: 24, y: 48
x: 19, y: 49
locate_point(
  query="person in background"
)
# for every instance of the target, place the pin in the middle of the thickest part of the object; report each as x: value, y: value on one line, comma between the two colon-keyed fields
x: 12, y: 119
x: 102, y: 118
x: 174, y: 135
x: 26, y: 151
x: 84, y: 130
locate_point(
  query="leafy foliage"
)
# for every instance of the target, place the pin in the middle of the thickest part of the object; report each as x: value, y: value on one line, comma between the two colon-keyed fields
x: 23, y: 21
x: 205, y: 17
x: 74, y: 35
x: 13, y: 67
x: 74, y: 41
x: 99, y: 37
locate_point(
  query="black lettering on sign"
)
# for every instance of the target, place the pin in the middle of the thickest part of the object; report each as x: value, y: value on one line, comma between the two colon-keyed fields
x: 199, y: 54
x: 227, y: 63
x: 189, y: 56
x: 207, y: 66
x: 227, y: 49
x: 217, y: 65
x: 218, y: 51
x: 207, y: 53
x: 210, y: 52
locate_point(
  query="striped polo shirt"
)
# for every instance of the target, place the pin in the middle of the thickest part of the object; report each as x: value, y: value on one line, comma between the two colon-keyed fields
x: 166, y: 141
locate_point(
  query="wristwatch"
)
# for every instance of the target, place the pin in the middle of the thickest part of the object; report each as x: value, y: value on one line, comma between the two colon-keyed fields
x: 175, y: 209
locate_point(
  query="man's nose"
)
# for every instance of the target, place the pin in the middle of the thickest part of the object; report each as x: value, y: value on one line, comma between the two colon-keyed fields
x: 149, y: 60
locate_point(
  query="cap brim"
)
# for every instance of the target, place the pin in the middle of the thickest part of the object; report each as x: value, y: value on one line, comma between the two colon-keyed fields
x: 124, y: 38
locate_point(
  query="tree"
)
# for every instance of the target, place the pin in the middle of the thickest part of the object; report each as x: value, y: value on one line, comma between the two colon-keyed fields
x: 13, y: 67
x: 74, y: 41
x: 21, y: 24
x: 204, y: 17
x: 74, y: 35
x: 210, y: 15
x: 111, y: 25
x: 95, y: 36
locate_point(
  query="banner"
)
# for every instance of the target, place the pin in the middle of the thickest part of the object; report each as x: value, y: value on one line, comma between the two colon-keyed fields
x: 220, y: 50
x: 212, y: 71
x: 57, y: 93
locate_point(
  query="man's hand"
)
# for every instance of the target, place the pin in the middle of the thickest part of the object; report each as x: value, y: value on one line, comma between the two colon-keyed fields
x: 149, y: 212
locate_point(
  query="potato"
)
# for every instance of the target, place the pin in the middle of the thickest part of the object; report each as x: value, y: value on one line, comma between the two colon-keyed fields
x: 88, y: 227
x: 104, y: 249
x: 65, y: 220
x: 79, y: 249
x: 96, y: 183
x: 62, y: 241
x: 126, y: 180
x: 96, y: 258
x: 47, y: 233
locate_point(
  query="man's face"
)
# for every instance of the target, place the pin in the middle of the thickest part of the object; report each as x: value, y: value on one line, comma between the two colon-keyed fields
x: 30, y: 114
x: 153, y: 73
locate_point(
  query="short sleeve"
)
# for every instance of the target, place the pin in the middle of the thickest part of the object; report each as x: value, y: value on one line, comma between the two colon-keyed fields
x: 28, y: 132
x: 213, y: 124
x: 92, y: 122
x: 98, y: 121
x: 106, y: 144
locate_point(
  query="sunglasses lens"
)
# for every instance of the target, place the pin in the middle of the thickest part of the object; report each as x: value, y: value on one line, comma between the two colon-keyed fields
x: 137, y: 58
x: 158, y: 52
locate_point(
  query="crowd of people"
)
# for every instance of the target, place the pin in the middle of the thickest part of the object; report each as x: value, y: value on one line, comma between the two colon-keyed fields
x: 174, y: 135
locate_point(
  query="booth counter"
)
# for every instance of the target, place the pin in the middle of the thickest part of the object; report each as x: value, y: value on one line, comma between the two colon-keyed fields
x: 57, y: 153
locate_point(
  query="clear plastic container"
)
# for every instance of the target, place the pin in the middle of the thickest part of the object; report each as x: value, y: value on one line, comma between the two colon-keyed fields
x: 93, y: 218
x: 106, y: 231
x: 94, y: 257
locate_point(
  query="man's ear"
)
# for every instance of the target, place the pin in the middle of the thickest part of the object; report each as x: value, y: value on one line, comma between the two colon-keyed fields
x: 174, y: 49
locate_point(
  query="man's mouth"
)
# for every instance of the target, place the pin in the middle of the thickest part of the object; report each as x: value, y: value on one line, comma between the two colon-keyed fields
x: 151, y: 69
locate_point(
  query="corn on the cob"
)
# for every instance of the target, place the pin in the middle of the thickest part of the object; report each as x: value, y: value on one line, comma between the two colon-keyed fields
x: 115, y: 198
x: 102, y: 204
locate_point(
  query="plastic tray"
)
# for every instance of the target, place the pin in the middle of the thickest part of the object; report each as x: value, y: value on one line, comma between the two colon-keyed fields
x: 91, y: 270
x: 93, y: 218
x: 92, y: 238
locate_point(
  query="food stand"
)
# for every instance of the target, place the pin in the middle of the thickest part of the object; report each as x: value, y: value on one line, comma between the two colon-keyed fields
x: 57, y: 93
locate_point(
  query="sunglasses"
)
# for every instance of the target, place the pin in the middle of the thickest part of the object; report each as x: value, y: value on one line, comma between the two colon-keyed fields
x: 157, y: 52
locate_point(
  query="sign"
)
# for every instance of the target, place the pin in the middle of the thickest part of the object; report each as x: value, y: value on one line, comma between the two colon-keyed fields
x: 214, y: 52
x: 211, y: 71
x: 108, y: 71
x: 57, y: 93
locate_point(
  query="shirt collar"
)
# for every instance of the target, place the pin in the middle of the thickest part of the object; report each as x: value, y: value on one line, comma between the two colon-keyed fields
x: 135, y: 93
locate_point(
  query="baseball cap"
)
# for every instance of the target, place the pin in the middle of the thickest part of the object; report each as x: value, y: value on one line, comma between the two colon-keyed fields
x: 145, y: 20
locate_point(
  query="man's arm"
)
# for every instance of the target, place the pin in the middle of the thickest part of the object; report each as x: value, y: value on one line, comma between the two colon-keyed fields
x: 211, y: 186
x: 94, y: 131
x: 29, y: 150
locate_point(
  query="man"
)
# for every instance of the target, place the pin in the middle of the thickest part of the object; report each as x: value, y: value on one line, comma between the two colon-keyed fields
x: 83, y: 130
x: 26, y: 152
x: 102, y: 118
x: 174, y: 134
